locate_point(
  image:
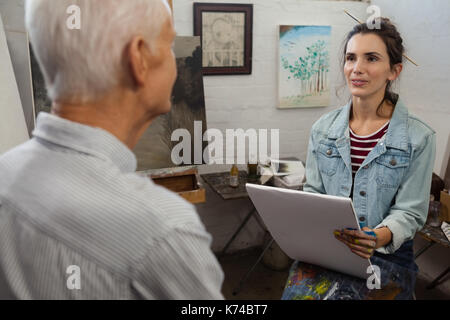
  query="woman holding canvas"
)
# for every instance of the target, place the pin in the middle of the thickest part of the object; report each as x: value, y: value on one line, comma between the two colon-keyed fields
x: 374, y: 151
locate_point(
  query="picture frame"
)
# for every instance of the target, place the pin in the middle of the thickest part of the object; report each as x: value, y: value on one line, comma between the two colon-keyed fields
x: 226, y: 31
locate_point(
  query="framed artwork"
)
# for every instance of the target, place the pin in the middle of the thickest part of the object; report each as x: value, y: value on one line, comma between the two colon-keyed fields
x: 226, y: 35
x: 304, y: 66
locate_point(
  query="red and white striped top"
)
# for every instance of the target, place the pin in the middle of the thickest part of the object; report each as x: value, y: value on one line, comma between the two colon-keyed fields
x: 360, y: 146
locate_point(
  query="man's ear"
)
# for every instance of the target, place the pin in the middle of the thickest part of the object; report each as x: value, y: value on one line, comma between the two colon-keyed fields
x: 395, y: 72
x: 138, y: 59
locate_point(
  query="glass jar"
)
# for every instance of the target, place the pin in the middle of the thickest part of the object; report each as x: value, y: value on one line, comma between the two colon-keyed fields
x: 434, y: 214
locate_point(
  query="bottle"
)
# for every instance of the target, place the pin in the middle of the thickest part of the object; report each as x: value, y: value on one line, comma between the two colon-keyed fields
x: 252, y: 172
x: 234, y: 176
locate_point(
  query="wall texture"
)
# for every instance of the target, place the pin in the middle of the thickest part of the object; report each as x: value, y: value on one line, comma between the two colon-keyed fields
x: 12, y: 12
x: 250, y: 101
x: 425, y: 28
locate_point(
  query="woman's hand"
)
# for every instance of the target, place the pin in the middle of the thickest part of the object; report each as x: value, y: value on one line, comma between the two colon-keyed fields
x: 359, y: 242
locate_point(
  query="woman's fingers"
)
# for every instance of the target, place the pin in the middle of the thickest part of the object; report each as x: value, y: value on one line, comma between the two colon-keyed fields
x: 364, y: 242
x: 358, y: 234
x: 359, y: 251
x: 362, y: 255
x: 364, y: 251
x: 357, y: 247
x: 357, y: 241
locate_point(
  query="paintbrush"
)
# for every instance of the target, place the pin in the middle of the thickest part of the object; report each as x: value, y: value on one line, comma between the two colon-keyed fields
x: 359, y: 21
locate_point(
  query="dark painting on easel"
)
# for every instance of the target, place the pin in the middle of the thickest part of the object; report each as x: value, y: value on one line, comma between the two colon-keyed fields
x: 41, y: 101
x: 188, y: 106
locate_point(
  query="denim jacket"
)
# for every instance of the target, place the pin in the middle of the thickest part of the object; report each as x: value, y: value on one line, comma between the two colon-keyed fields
x: 392, y: 186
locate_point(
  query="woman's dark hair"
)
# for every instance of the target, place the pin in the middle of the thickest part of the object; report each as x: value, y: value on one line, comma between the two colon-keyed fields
x: 394, y: 44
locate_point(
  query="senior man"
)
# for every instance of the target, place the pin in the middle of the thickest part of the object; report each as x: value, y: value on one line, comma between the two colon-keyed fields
x: 76, y: 221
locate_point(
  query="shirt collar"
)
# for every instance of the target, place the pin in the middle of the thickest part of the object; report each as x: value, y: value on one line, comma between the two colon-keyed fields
x: 89, y: 140
x: 396, y: 137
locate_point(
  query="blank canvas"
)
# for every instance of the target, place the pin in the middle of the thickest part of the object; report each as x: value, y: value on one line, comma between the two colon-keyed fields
x: 13, y: 129
x: 303, y: 224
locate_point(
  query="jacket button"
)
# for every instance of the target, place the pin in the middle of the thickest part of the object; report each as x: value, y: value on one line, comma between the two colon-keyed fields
x: 329, y: 152
x: 393, y: 162
x: 362, y: 193
x: 366, y: 166
x: 362, y: 219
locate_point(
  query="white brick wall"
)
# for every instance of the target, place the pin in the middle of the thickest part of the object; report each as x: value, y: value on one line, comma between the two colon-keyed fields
x: 251, y: 101
x: 12, y: 12
x: 425, y: 28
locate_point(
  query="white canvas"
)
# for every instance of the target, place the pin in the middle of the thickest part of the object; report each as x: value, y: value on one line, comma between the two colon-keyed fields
x: 13, y: 129
x: 303, y: 224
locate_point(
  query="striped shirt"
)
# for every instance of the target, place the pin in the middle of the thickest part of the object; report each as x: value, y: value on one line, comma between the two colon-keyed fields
x: 77, y: 222
x: 361, y: 146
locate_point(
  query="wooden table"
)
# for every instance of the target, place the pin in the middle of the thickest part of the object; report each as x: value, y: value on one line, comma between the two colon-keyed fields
x: 219, y: 183
x: 434, y: 235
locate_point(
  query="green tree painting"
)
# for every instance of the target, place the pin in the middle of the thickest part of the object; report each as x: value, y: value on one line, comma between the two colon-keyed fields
x: 304, y: 66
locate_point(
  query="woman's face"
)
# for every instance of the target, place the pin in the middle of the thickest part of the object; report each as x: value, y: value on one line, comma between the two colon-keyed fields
x: 367, y: 68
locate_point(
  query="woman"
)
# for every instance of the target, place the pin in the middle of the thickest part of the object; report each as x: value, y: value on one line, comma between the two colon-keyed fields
x: 374, y: 151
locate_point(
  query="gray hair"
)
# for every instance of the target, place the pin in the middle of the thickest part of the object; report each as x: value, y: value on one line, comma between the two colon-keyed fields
x: 80, y: 65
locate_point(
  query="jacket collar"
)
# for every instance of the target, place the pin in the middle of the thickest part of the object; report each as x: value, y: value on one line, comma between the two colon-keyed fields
x: 396, y: 137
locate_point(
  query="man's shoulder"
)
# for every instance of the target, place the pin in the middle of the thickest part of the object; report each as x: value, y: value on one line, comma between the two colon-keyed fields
x: 92, y: 206
x: 157, y: 201
x: 145, y: 215
x: 82, y: 186
x: 128, y: 201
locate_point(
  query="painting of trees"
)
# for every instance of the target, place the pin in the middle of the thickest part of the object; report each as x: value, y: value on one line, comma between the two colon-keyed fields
x: 304, y: 66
